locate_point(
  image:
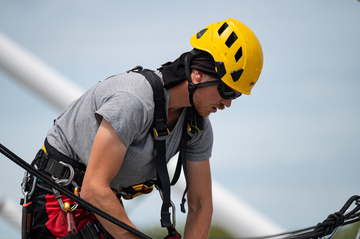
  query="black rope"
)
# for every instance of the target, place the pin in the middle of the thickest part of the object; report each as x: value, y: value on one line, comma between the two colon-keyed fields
x: 325, y: 228
x: 16, y: 159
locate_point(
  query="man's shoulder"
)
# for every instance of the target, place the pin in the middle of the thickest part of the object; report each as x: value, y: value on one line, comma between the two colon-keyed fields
x: 130, y: 84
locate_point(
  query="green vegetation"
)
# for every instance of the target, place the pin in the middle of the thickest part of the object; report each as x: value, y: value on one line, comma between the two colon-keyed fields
x: 159, y: 233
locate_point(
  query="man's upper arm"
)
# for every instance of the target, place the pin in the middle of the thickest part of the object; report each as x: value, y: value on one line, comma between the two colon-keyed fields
x: 106, y: 157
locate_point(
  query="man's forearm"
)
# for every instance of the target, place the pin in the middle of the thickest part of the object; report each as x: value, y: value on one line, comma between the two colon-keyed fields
x: 108, y: 202
x: 198, y: 223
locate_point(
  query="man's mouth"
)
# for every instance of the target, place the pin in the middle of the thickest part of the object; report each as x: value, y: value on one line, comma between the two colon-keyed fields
x: 220, y: 107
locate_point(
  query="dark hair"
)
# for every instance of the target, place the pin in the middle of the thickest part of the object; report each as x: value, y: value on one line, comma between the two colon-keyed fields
x: 174, y: 72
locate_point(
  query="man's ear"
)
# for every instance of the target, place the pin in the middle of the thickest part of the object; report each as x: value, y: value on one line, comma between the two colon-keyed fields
x: 198, y: 76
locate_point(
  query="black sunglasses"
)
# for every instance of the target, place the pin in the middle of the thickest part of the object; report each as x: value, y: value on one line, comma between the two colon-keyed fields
x: 226, y: 92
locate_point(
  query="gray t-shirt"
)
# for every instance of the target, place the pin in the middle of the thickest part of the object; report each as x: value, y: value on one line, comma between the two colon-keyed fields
x: 126, y: 102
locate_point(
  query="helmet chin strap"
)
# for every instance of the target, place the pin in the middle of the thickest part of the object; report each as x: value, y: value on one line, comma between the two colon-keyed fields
x: 191, y: 86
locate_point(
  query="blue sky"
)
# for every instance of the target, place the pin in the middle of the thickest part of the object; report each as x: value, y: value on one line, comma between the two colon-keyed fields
x: 290, y: 149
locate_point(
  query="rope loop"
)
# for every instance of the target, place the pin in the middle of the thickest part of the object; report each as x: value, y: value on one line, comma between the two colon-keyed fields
x: 329, y: 224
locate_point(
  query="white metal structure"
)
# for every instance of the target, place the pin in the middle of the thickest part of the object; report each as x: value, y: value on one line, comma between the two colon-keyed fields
x: 231, y: 213
x: 37, y: 75
x: 10, y: 211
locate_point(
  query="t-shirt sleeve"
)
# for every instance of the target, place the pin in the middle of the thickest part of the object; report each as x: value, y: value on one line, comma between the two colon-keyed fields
x: 200, y: 147
x: 127, y: 114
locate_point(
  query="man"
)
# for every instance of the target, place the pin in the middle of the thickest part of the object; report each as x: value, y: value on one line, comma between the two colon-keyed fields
x: 107, y: 130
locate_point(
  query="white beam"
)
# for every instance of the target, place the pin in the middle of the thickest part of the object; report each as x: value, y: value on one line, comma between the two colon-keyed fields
x: 239, y: 218
x: 10, y: 211
x: 36, y: 75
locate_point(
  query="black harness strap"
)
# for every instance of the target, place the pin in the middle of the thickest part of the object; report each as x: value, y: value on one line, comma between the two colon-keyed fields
x: 182, y: 160
x: 188, y: 133
x: 160, y: 132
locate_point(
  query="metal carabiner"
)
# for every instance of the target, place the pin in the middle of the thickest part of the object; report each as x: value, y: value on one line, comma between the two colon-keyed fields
x: 61, y: 181
x: 25, y: 198
x: 26, y: 179
x: 34, y: 183
x: 172, y: 205
x: 71, y: 177
x: 173, y: 214
x: 76, y: 192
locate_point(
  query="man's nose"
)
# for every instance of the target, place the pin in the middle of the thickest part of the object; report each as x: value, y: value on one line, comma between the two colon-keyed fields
x: 226, y: 102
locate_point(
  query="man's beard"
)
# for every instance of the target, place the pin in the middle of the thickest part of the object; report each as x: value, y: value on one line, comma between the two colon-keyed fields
x: 204, y: 110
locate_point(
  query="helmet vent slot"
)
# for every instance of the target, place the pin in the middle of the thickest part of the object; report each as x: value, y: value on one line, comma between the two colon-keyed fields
x: 232, y: 38
x: 222, y: 28
x: 238, y: 54
x: 201, y: 33
x: 236, y: 74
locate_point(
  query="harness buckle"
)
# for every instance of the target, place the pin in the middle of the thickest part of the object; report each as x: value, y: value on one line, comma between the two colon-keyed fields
x: 136, y: 190
x: 161, y: 135
x: 190, y: 130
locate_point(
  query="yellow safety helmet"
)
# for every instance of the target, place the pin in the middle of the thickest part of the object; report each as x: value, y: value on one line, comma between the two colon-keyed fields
x: 236, y: 51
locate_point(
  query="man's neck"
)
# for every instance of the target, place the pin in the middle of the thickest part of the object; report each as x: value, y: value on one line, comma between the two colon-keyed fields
x: 179, y: 99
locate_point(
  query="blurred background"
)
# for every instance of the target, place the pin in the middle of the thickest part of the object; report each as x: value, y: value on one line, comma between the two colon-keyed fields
x: 290, y: 150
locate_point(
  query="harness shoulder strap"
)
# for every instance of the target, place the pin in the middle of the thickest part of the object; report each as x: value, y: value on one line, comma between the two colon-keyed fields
x: 160, y: 132
x: 160, y: 128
